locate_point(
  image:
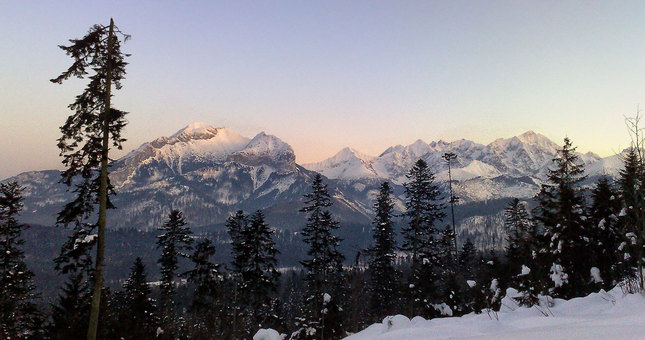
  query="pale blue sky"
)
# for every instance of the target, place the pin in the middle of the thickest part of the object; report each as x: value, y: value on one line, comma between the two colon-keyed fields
x: 328, y: 74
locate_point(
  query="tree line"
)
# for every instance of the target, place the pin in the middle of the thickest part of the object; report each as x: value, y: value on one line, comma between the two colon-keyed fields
x: 573, y: 242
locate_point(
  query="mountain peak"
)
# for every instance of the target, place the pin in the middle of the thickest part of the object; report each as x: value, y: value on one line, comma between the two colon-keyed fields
x: 265, y: 148
x: 197, y: 130
x: 348, y: 153
x: 531, y: 137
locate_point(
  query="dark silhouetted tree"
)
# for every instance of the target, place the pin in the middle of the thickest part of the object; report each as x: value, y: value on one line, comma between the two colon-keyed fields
x: 138, y: 319
x: 87, y: 136
x: 421, y: 238
x: 607, y: 233
x: 204, y: 279
x: 384, y: 279
x: 324, y: 267
x: 175, y: 242
x: 17, y: 309
x: 561, y: 212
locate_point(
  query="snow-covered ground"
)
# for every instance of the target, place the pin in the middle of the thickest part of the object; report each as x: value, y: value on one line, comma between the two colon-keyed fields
x: 603, y: 315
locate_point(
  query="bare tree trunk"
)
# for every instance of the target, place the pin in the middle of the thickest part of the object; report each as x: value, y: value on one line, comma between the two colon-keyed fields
x: 100, y: 248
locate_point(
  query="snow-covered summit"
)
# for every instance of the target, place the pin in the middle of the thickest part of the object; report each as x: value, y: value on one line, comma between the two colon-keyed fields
x: 265, y: 148
x: 473, y: 170
x: 197, y: 142
x: 197, y: 130
x: 528, y: 154
x: 348, y: 163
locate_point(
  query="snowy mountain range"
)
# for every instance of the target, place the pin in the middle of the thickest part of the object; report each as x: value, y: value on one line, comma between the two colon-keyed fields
x: 528, y: 154
x: 210, y: 172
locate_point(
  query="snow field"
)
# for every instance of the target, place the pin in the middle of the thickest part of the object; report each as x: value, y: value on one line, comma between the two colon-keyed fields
x: 603, y: 315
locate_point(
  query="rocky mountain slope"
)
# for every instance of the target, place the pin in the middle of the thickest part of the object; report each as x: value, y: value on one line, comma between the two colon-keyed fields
x: 211, y: 172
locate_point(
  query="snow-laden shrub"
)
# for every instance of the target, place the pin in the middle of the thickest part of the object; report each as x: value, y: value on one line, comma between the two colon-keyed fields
x: 268, y: 334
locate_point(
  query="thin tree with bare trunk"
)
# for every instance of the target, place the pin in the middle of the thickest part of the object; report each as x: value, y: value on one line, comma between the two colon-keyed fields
x: 86, y: 138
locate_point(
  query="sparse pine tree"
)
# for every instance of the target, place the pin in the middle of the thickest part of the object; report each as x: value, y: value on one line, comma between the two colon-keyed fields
x: 562, y: 214
x: 17, y: 309
x: 175, y: 242
x: 86, y: 140
x: 384, y: 278
x: 421, y: 237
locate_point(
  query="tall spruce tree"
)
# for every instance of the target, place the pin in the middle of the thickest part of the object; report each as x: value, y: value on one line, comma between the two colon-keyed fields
x: 450, y: 284
x: 204, y: 278
x: 467, y: 263
x: 87, y: 136
x: 561, y: 212
x: 235, y: 224
x: 175, y: 242
x: 383, y: 277
x: 324, y: 267
x: 137, y: 318
x: 521, y: 252
x: 631, y: 217
x: 634, y: 214
x: 421, y: 238
x: 17, y: 309
x: 69, y: 313
x: 607, y: 233
x: 259, y: 276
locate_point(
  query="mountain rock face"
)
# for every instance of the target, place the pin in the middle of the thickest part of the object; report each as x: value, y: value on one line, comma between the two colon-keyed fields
x: 207, y: 172
x: 511, y: 167
x: 211, y: 172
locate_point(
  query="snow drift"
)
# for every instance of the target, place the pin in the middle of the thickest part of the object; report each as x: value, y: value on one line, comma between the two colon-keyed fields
x: 603, y: 315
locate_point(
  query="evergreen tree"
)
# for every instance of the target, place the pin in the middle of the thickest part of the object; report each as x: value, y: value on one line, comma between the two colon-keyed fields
x: 468, y: 260
x: 174, y: 242
x: 492, y: 287
x: 69, y: 314
x: 384, y: 279
x: 86, y: 139
x: 17, y: 309
x: 607, y: 233
x: 204, y: 278
x: 421, y: 238
x: 467, y: 263
x: 450, y: 283
x: 521, y: 252
x: 235, y: 224
x: 517, y: 224
x: 259, y: 276
x: 324, y: 267
x: 632, y: 216
x: 562, y: 215
x: 137, y: 318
